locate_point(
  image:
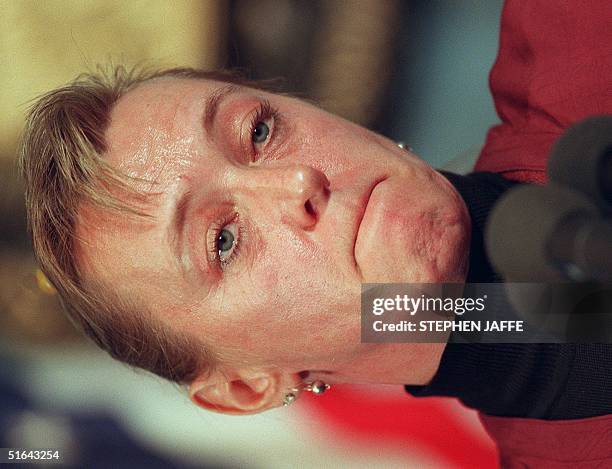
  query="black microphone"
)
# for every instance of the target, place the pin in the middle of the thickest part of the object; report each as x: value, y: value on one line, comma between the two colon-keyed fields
x: 549, y: 234
x: 582, y: 159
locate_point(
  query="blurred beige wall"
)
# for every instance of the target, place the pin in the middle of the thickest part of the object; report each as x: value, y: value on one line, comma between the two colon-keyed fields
x: 45, y: 43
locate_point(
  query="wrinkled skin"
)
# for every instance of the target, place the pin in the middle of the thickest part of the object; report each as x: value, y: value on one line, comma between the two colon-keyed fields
x: 316, y: 206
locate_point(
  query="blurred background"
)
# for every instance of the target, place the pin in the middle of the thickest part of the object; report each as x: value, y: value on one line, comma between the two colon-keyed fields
x: 414, y: 70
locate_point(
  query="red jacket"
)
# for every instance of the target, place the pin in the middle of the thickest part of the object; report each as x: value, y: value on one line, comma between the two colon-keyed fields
x: 552, y: 444
x: 554, y: 68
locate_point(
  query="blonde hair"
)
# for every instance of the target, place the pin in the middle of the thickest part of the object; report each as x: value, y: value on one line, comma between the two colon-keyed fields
x: 61, y: 158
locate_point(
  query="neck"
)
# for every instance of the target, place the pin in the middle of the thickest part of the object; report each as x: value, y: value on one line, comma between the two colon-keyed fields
x: 386, y: 364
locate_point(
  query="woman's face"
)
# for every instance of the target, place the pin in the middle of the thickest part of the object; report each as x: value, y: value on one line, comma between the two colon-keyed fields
x: 268, y: 214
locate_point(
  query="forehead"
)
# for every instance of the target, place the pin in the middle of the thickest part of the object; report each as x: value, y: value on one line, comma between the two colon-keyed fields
x: 152, y: 137
x: 157, y: 121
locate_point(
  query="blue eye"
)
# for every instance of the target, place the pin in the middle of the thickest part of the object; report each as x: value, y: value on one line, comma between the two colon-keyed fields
x: 260, y: 133
x: 226, y: 242
x: 264, y: 125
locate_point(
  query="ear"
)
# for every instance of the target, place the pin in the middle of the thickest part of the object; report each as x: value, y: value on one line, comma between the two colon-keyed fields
x: 240, y: 393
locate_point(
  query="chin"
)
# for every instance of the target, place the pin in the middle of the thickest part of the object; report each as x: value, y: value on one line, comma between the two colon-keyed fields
x: 415, y: 231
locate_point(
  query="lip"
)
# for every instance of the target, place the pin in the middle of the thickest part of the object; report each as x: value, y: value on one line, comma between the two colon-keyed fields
x: 361, y: 210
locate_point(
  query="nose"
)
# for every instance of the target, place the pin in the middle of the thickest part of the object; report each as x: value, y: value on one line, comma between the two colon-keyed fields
x: 300, y: 192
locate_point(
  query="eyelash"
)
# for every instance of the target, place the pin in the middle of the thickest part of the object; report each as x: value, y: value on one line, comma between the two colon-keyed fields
x: 264, y: 112
x: 215, y: 231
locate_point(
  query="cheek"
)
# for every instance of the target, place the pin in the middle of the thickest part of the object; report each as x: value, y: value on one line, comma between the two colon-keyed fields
x: 286, y: 299
x: 290, y: 280
x: 290, y: 276
x: 272, y: 294
x: 269, y: 280
x: 328, y: 143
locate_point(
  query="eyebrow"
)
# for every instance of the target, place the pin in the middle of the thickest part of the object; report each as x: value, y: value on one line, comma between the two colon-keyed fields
x: 211, y: 108
x: 177, y: 228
